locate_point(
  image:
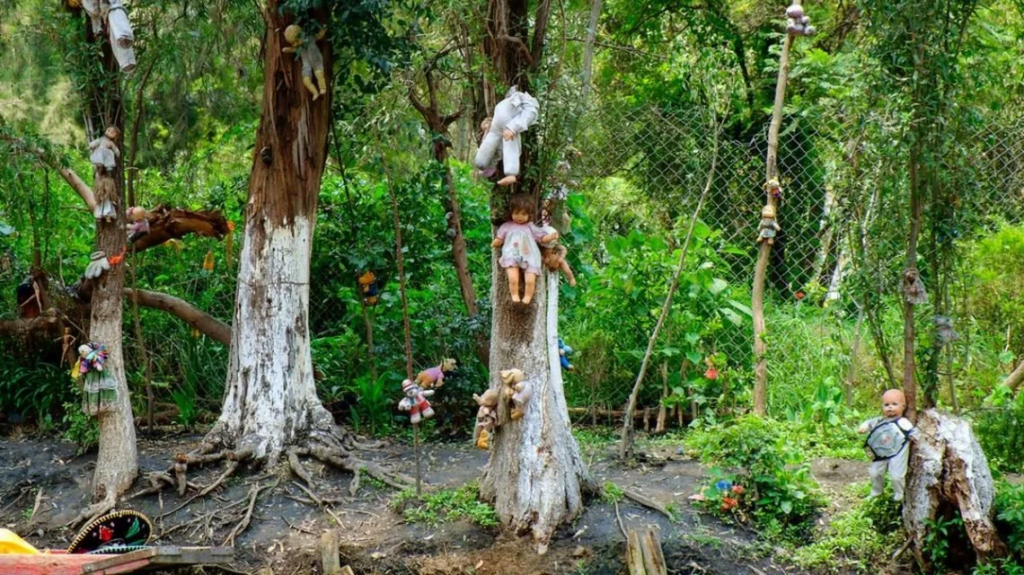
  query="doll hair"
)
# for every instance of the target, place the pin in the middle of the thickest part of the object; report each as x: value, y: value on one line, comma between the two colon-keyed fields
x: 524, y: 203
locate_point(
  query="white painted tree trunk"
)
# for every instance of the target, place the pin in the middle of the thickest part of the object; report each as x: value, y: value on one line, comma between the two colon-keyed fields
x: 535, y: 475
x: 948, y: 473
x: 271, y: 399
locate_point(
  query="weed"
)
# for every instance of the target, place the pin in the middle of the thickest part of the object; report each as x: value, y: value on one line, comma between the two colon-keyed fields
x: 445, y: 506
x: 612, y: 493
x: 80, y: 428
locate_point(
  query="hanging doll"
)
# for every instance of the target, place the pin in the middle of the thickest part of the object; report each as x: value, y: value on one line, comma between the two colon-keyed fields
x: 121, y: 36
x: 512, y: 116
x: 798, y: 23
x: 552, y: 253
x: 519, y: 251
x: 434, y: 376
x: 913, y: 287
x: 312, y: 58
x: 368, y: 285
x: 564, y: 352
x: 104, y: 152
x: 100, y: 387
x: 415, y: 402
x: 486, y: 417
x: 774, y: 188
x: 887, y: 441
x: 768, y: 226
x: 99, y: 263
x: 517, y: 389
x: 139, y: 225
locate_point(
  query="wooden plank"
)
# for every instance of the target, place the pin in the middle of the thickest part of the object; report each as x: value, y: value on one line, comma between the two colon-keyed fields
x: 634, y: 554
x: 654, y: 558
x: 45, y: 564
x: 169, y: 555
x: 330, y: 558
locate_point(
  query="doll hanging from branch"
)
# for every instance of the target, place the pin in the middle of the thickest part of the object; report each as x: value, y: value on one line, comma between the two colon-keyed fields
x: 553, y: 253
x: 312, y: 58
x: 512, y: 116
x: 520, y: 253
x: 100, y: 388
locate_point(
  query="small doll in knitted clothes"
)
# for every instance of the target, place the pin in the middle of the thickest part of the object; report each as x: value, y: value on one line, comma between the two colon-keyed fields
x: 415, y: 402
x: 519, y: 250
x: 888, y: 439
x: 553, y: 253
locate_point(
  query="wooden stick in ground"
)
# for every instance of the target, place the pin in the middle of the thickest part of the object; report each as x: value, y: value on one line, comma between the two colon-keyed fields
x: 634, y: 554
x: 626, y: 445
x: 654, y: 557
x: 761, y: 269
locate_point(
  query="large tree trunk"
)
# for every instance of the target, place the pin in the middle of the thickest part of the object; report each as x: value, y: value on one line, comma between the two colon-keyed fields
x: 271, y: 400
x: 949, y: 476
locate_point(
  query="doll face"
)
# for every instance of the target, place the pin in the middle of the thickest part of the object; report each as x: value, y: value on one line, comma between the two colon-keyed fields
x: 520, y: 216
x: 112, y: 133
x: 893, y: 403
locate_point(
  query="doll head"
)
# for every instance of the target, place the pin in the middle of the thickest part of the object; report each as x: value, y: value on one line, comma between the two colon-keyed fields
x: 293, y: 34
x: 768, y: 212
x: 84, y: 350
x: 112, y: 133
x: 488, y: 399
x: 367, y: 278
x: 409, y: 388
x: 893, y: 403
x: 137, y: 213
x: 522, y: 208
x: 448, y: 364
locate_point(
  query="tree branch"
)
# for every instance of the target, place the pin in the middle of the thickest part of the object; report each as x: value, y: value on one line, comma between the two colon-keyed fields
x: 79, y: 186
x: 200, y: 320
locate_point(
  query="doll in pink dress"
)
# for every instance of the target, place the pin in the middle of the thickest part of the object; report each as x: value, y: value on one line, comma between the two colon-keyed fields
x: 519, y: 250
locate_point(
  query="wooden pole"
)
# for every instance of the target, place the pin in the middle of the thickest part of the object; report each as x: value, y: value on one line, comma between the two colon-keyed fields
x: 761, y: 269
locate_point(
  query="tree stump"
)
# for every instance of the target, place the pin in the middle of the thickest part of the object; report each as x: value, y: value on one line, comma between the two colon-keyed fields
x: 949, y: 475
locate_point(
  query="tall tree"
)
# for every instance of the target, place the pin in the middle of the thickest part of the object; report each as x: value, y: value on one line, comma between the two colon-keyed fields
x: 535, y: 476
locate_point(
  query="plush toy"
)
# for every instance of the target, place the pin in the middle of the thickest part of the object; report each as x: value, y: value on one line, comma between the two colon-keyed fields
x: 312, y: 58
x: 434, y: 376
x: 139, y: 225
x: 518, y: 389
x: 486, y: 417
x: 415, y: 402
x: 512, y: 116
x: 368, y: 285
x: 768, y: 226
x: 104, y: 152
x: 564, y: 352
x: 913, y: 288
x: 518, y: 242
x: 100, y: 387
x: 798, y: 23
x: 887, y: 441
x: 774, y: 188
x: 552, y: 253
x: 99, y: 263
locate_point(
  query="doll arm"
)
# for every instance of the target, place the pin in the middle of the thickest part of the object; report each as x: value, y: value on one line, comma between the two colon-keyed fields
x: 499, y: 238
x: 94, y: 144
x: 545, y: 234
x: 428, y: 392
x: 526, y: 116
x: 288, y: 49
x: 867, y: 425
x: 775, y: 226
x: 498, y: 242
x: 114, y: 148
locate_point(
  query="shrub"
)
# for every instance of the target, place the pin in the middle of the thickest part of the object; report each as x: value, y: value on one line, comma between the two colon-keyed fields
x: 779, y: 493
x: 445, y: 506
x: 1000, y: 429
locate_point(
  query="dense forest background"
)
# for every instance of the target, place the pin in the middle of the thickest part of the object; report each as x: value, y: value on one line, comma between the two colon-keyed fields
x: 889, y: 101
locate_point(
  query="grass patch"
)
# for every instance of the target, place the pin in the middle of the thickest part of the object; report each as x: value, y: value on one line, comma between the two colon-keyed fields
x: 612, y: 494
x: 445, y: 506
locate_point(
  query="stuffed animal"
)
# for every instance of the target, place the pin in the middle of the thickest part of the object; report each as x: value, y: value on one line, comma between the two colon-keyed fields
x: 312, y: 58
x: 368, y: 285
x: 512, y: 116
x: 517, y: 389
x: 139, y: 225
x: 99, y: 263
x: 774, y: 188
x: 553, y: 253
x: 564, y: 352
x: 486, y: 417
x: 104, y: 151
x: 768, y: 226
x: 798, y: 23
x: 887, y: 441
x: 415, y: 402
x: 434, y: 376
x: 519, y: 251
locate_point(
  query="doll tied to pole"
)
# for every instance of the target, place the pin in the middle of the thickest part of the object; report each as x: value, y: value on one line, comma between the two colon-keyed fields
x: 520, y: 254
x: 888, y: 443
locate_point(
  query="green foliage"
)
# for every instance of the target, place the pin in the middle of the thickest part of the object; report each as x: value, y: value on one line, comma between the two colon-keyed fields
x: 937, y: 540
x: 994, y: 300
x: 611, y: 493
x: 445, y: 506
x: 1000, y: 429
x: 779, y: 493
x: 80, y: 428
x: 34, y: 391
x: 1009, y: 505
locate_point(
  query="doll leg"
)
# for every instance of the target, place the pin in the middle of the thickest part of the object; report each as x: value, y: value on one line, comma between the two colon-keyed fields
x: 564, y: 265
x: 513, y: 282
x: 531, y: 283
x: 898, y: 472
x: 308, y: 82
x: 877, y: 472
x: 509, y: 161
x: 488, y: 147
x: 321, y: 81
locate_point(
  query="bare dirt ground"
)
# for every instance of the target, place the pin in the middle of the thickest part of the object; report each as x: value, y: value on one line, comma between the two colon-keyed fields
x: 286, y: 524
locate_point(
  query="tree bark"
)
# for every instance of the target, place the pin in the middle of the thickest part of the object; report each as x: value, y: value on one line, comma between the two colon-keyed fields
x: 949, y: 475
x: 761, y: 269
x: 1015, y: 378
x: 270, y: 401
x: 205, y: 323
x: 588, y: 50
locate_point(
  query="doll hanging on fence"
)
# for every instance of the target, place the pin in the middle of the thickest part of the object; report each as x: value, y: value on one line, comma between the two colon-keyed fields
x: 520, y: 254
x: 888, y: 441
x: 100, y: 388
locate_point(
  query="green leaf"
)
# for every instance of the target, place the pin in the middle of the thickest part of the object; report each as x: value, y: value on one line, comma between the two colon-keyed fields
x: 732, y: 316
x: 718, y: 285
x: 786, y: 506
x: 742, y: 307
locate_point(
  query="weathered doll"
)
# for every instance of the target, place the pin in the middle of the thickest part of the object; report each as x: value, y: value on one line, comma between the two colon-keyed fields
x: 519, y: 250
x: 518, y: 389
x: 486, y: 417
x: 564, y: 352
x: 768, y: 226
x: 139, y: 225
x: 368, y: 285
x: 415, y: 402
x: 434, y: 376
x: 104, y: 152
x: 312, y: 58
x: 100, y: 388
x: 512, y: 116
x: 553, y: 253
x: 887, y: 440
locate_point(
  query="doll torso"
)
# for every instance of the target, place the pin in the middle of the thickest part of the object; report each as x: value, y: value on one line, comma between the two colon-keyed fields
x: 520, y: 248
x: 312, y: 58
x: 887, y: 436
x: 103, y: 153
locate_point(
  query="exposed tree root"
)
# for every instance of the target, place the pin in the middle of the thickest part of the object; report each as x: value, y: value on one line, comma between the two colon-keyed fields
x: 647, y: 502
x: 244, y: 523
x: 93, y: 511
x: 345, y: 462
x: 235, y: 459
x: 297, y: 467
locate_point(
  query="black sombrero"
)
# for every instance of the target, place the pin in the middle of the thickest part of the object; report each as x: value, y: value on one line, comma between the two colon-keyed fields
x: 120, y: 529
